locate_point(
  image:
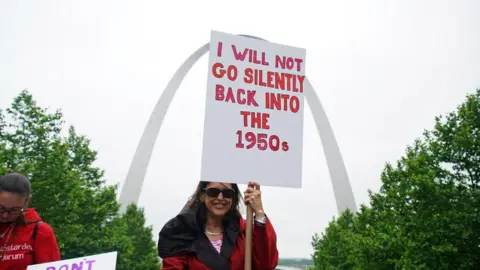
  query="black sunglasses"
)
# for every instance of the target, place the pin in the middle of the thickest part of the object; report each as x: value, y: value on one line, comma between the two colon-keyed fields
x: 227, y: 193
x: 11, y: 211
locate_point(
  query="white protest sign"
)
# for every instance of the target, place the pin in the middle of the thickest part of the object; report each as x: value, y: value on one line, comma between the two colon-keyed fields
x: 105, y: 261
x: 253, y: 129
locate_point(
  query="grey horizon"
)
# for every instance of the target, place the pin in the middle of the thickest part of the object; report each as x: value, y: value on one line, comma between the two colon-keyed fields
x: 136, y: 174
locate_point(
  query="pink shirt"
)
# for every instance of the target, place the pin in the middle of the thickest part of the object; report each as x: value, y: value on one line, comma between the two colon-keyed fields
x: 217, y: 244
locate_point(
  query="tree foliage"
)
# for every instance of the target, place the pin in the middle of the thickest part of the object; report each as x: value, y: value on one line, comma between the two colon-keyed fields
x: 427, y: 212
x: 68, y: 191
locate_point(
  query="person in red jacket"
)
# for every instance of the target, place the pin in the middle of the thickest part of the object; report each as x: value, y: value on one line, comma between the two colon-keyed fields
x: 209, y: 233
x: 24, y: 238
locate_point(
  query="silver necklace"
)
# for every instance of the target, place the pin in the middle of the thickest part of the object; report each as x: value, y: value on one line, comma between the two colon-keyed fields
x: 213, y: 233
x: 5, y: 232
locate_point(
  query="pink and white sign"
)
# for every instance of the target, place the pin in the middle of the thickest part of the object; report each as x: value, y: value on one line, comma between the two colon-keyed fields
x: 105, y: 261
x: 253, y: 126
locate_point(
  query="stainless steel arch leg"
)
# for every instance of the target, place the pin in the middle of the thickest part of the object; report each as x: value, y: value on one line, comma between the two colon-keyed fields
x: 136, y: 174
x: 338, y: 173
x: 132, y: 186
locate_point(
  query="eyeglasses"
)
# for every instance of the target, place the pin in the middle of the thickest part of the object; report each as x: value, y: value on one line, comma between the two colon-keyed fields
x: 11, y: 211
x: 227, y: 193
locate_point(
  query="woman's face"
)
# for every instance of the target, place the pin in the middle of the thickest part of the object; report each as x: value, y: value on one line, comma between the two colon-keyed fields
x: 11, y: 206
x: 218, y: 198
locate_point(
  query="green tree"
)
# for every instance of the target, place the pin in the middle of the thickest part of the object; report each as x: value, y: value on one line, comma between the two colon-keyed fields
x: 141, y: 238
x: 129, y: 234
x: 68, y: 191
x: 335, y: 247
x: 425, y: 215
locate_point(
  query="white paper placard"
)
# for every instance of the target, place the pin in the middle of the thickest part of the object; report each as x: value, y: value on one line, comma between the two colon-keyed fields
x: 105, y: 261
x: 253, y: 128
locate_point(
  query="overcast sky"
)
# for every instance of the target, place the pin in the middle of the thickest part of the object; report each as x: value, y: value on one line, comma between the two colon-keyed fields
x: 382, y: 69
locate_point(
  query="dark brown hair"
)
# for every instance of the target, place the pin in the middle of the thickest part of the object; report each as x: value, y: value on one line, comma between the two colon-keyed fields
x: 195, y: 203
x: 18, y: 184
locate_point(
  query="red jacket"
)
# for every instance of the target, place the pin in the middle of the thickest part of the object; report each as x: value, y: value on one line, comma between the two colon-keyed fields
x: 183, y: 245
x: 21, y: 250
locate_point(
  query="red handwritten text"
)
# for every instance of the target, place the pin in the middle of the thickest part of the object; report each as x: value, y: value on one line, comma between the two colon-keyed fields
x: 255, y: 119
x: 239, y: 96
x: 262, y: 140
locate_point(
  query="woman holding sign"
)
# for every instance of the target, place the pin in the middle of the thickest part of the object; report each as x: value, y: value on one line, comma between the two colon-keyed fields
x: 24, y: 238
x: 209, y: 233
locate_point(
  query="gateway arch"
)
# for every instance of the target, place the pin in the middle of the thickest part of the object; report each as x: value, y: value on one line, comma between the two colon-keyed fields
x: 132, y: 186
